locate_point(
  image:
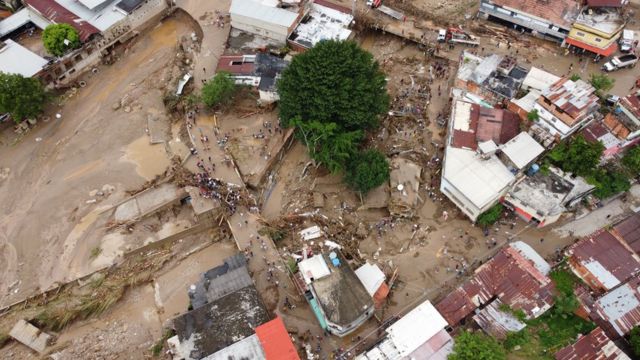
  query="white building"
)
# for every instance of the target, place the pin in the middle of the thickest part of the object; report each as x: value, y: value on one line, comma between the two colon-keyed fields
x: 16, y: 59
x: 267, y: 21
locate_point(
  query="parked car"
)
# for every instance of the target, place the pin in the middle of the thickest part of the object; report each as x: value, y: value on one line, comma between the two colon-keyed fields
x: 627, y: 41
x: 619, y: 62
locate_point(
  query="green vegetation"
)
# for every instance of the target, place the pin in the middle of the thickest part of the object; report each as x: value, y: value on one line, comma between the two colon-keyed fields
x: 632, y: 160
x: 575, y: 77
x: 4, y: 339
x: 516, y: 339
x: 331, y: 95
x: 276, y: 234
x: 490, y: 216
x: 533, y: 115
x: 602, y: 83
x: 156, y: 349
x: 577, y: 156
x: 60, y: 38
x: 564, y: 280
x: 367, y: 170
x: 608, y: 182
x: 519, y: 314
x: 20, y: 96
x: 476, y: 346
x: 292, y: 265
x: 634, y: 340
x: 95, y: 252
x: 219, y: 90
x: 334, y: 82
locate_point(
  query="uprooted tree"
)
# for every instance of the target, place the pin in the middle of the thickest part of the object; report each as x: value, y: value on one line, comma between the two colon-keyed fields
x: 60, y: 38
x: 332, y: 94
x: 20, y: 96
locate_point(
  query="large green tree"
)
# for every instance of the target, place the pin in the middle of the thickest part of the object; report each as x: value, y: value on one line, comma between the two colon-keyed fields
x: 634, y: 340
x: 60, y: 38
x: 632, y: 160
x: 602, y: 83
x: 367, y: 170
x: 219, y: 90
x: 20, y: 96
x: 333, y: 82
x: 577, y: 156
x: 476, y: 346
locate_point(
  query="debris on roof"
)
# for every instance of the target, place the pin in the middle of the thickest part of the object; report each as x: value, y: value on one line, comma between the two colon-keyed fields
x: 602, y: 261
x: 497, y: 323
x: 593, y: 346
x: 618, y: 311
x: 508, y: 276
x: 560, y: 12
x: 570, y: 101
x: 322, y: 23
x: 405, y: 184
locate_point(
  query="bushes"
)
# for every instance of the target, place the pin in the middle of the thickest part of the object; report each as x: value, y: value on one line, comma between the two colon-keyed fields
x: 219, y: 90
x: 490, y: 216
x: 367, y: 170
x: 476, y: 346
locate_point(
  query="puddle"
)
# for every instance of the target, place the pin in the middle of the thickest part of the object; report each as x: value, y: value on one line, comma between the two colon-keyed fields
x: 150, y: 160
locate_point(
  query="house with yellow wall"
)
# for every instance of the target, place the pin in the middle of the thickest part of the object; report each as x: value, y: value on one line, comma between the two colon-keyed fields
x: 596, y: 30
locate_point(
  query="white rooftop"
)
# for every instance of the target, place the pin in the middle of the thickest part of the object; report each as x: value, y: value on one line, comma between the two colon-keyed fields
x: 371, y: 277
x: 522, y: 150
x: 101, y: 18
x: 258, y: 11
x: 601, y: 273
x: 313, y: 268
x: 248, y: 348
x: 16, y: 59
x: 480, y: 180
x: 416, y: 328
x: 20, y: 18
x: 528, y: 101
x: 462, y: 116
x: 530, y: 254
x: 538, y: 79
x: 92, y: 4
x: 324, y: 24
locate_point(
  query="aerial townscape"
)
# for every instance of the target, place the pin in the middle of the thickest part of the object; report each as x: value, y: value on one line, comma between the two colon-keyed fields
x: 320, y: 179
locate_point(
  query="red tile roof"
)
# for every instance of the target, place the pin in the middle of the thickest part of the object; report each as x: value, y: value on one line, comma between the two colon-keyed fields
x: 560, y: 12
x: 628, y: 231
x: 611, y: 257
x: 55, y: 12
x: 276, y: 341
x: 594, y: 346
x: 510, y: 277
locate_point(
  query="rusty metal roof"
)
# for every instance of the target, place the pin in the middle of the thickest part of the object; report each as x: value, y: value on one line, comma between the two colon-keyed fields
x: 497, y: 323
x: 487, y: 124
x: 510, y: 277
x: 602, y: 256
x: 57, y: 14
x: 628, y: 230
x: 619, y: 308
x: 594, y: 346
x: 575, y: 98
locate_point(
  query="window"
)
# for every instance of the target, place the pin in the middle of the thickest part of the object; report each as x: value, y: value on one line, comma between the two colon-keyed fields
x: 580, y: 33
x: 598, y: 40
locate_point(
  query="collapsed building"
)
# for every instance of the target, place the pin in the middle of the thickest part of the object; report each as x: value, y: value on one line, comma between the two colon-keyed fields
x: 517, y: 276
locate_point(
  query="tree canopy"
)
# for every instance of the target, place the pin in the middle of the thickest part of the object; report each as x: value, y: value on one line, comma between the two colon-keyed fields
x: 533, y: 115
x: 333, y: 82
x: 577, y: 156
x: 367, y: 170
x: 632, y: 160
x: 476, y: 346
x: 608, y: 181
x: 219, y: 90
x: 60, y: 38
x: 634, y: 340
x: 490, y: 216
x: 601, y: 82
x: 20, y: 96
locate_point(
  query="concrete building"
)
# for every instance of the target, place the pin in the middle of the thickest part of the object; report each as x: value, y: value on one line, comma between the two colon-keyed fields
x: 337, y: 297
x: 420, y: 334
x: 324, y: 21
x: 596, y: 30
x: 17, y: 59
x: 549, y: 20
x: 517, y: 276
x: 566, y: 106
x: 538, y: 80
x: 602, y: 261
x: 473, y: 176
x: 594, y: 346
x: 261, y: 71
x: 543, y: 198
x: 255, y: 17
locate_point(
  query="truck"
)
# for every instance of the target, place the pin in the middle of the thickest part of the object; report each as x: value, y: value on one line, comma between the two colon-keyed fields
x: 620, y: 62
x: 627, y: 41
x: 457, y: 36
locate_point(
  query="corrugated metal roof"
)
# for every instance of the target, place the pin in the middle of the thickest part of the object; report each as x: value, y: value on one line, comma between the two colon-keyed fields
x: 620, y: 308
x: 628, y: 230
x: 497, y: 323
x: 510, y: 277
x: 522, y: 150
x: 558, y: 12
x: 259, y: 12
x: 416, y: 328
x: 572, y: 97
x: 606, y: 259
x: 276, y: 341
x: 17, y: 59
x: 539, y: 80
x: 57, y: 13
x: 594, y: 346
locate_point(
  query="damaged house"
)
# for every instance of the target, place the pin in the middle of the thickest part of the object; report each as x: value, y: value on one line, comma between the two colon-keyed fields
x: 517, y: 276
x: 261, y: 71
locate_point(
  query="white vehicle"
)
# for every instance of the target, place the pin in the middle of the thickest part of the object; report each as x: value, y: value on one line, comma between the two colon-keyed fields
x: 442, y: 35
x: 619, y: 62
x: 627, y: 40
